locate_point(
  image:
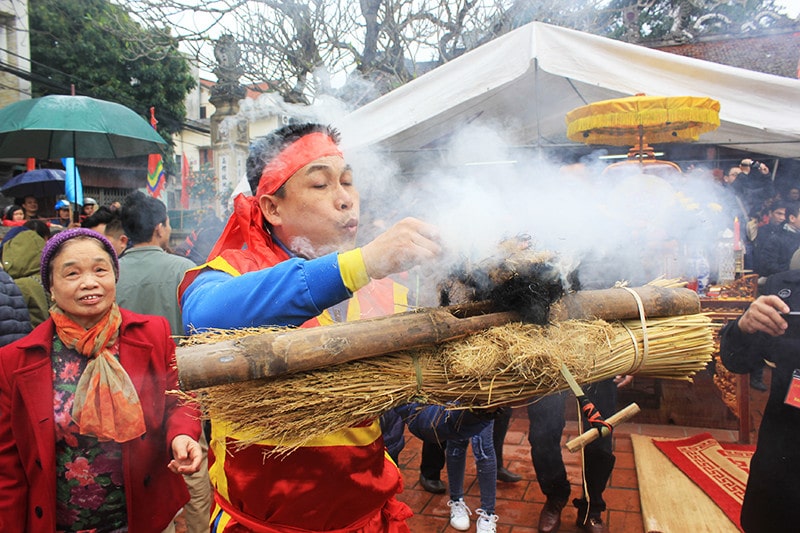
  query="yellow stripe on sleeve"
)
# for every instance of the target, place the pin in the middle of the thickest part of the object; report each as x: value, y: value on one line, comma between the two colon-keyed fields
x: 353, y: 270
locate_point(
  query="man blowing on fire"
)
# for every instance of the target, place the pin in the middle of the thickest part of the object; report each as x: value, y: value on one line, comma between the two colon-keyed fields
x: 288, y: 257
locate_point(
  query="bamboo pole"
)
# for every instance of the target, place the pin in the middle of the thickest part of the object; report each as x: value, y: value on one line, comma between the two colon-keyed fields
x: 283, y: 351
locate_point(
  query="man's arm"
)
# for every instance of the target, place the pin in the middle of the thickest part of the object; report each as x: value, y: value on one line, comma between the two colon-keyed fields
x: 286, y: 294
x: 746, y: 341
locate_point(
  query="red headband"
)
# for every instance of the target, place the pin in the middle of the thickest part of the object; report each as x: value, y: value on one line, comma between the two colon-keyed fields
x: 294, y: 157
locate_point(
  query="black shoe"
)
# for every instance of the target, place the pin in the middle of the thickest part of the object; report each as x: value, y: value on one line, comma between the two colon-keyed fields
x: 434, y: 486
x: 504, y: 474
x: 758, y: 385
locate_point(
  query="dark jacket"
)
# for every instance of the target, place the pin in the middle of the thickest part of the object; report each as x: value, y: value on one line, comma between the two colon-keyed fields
x: 765, y: 233
x: 776, y: 253
x: 21, y: 259
x: 771, y: 500
x: 15, y: 321
x: 27, y: 430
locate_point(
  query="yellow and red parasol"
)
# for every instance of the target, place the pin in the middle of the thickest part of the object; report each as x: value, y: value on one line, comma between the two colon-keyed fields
x: 641, y: 119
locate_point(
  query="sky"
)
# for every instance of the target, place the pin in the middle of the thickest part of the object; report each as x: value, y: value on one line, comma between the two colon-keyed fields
x: 792, y: 7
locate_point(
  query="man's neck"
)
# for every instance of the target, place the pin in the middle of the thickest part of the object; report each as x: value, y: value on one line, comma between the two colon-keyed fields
x: 148, y: 243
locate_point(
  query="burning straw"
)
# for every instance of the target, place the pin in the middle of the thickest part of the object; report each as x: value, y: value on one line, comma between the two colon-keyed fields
x: 503, y: 365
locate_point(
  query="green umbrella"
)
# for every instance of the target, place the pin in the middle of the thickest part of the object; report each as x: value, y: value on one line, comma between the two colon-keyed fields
x: 56, y: 126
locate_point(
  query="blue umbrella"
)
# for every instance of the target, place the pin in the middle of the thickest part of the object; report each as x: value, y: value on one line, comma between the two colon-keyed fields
x: 39, y: 183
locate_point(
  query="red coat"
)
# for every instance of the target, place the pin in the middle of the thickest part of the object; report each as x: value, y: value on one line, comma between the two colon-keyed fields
x: 27, y: 430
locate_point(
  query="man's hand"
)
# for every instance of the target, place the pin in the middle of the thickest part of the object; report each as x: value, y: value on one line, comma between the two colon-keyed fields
x: 622, y: 380
x: 764, y: 314
x: 187, y: 455
x: 407, y: 244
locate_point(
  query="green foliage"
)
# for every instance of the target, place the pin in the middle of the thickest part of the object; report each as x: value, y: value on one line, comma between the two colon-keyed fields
x: 95, y: 45
x: 202, y: 185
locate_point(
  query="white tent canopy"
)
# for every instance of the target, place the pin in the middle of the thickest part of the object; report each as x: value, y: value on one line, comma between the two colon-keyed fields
x: 526, y: 81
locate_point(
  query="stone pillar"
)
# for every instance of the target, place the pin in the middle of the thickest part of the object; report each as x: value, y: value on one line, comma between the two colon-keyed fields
x: 230, y: 136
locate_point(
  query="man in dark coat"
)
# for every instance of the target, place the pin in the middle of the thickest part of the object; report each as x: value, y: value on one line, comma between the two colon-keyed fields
x: 765, y: 330
x: 775, y: 255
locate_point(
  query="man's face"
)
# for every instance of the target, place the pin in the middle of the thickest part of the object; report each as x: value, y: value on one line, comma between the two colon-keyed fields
x: 777, y: 216
x: 88, y: 209
x: 730, y: 177
x: 794, y: 221
x: 319, y: 212
x: 30, y: 205
x: 63, y: 213
x: 165, y: 230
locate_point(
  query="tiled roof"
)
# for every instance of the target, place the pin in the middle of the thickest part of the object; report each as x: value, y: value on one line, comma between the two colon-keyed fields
x: 774, y: 53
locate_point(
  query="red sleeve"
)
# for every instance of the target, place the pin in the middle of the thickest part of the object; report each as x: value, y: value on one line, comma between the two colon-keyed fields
x: 181, y: 418
x: 13, y: 487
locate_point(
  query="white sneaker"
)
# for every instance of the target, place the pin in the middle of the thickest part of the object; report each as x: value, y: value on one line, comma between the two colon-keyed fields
x: 487, y: 523
x: 459, y: 514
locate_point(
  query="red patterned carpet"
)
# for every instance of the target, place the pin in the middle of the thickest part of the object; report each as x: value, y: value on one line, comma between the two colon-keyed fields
x: 720, y: 469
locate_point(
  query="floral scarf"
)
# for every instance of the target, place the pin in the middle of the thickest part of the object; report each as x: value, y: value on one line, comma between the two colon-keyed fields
x: 106, y: 404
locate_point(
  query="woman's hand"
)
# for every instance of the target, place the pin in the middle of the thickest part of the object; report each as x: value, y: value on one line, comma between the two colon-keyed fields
x: 187, y: 455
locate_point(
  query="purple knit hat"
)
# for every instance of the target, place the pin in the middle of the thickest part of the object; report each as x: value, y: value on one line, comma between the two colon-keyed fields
x: 55, y: 242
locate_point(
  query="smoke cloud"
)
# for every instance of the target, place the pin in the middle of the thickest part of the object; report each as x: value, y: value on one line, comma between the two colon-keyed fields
x: 613, y: 226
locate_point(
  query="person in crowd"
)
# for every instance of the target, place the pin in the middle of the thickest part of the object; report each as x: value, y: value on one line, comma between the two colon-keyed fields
x: 108, y: 223
x: 62, y: 211
x: 454, y: 431
x: 149, y: 276
x: 775, y: 255
x: 63, y: 466
x: 771, y: 499
x: 89, y: 207
x: 14, y: 216
x: 754, y: 185
x: 288, y: 257
x: 433, y: 456
x: 31, y: 206
x: 486, y: 463
x: 115, y: 206
x: 15, y: 321
x: 199, y: 242
x: 39, y: 226
x: 776, y: 220
x: 21, y: 258
x: 547, y: 422
x: 501, y: 421
x: 431, y: 463
x: 148, y: 284
x: 730, y: 177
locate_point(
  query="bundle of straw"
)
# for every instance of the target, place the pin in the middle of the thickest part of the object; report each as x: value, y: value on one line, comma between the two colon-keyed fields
x: 509, y: 364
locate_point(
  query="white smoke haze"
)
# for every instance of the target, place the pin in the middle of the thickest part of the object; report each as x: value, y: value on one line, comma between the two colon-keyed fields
x: 629, y: 226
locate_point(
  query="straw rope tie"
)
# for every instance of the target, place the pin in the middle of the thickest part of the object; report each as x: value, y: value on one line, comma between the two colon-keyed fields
x: 637, y: 360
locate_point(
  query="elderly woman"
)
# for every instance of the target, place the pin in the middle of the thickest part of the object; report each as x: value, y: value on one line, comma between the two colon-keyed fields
x: 86, y: 425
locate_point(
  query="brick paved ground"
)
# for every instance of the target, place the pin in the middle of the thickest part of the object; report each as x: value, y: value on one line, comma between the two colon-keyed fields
x: 519, y: 504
